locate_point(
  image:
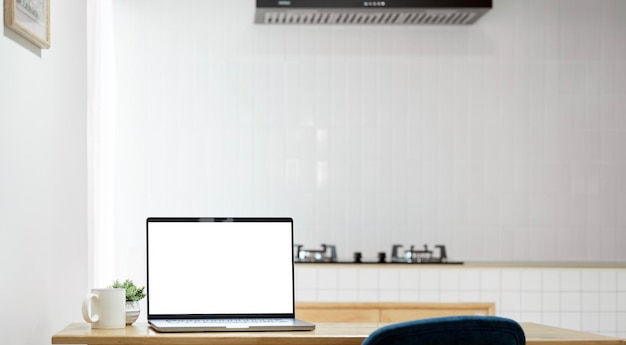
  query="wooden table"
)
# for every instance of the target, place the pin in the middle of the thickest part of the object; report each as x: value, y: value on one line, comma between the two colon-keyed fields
x: 325, y: 334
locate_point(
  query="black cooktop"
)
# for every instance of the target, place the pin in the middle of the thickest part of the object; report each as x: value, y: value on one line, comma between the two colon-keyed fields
x: 382, y: 263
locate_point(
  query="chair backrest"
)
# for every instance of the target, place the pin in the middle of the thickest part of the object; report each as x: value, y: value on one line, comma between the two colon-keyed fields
x: 451, y: 330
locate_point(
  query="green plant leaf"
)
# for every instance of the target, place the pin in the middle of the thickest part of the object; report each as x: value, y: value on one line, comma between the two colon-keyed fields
x: 133, y: 293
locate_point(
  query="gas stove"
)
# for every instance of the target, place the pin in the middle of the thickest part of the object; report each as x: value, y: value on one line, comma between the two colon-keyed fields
x: 328, y: 254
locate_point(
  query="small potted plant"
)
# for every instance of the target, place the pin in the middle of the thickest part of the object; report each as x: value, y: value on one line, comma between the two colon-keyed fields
x: 133, y: 295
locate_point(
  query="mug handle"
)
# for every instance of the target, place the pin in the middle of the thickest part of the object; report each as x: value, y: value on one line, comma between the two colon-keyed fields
x: 87, y: 309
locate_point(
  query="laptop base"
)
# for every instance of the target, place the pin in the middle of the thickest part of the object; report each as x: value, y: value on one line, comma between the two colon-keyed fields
x: 165, y: 326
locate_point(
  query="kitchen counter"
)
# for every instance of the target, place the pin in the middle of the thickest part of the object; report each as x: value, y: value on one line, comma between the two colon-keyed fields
x: 476, y: 264
x: 383, y: 263
x: 561, y: 293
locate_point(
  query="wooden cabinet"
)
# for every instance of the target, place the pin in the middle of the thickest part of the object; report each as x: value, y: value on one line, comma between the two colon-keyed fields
x: 386, y: 312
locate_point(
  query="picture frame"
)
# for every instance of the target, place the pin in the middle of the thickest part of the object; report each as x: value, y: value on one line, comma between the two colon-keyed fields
x: 30, y: 19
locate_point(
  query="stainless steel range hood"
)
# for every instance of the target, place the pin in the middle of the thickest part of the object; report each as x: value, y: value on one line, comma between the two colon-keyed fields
x: 366, y: 12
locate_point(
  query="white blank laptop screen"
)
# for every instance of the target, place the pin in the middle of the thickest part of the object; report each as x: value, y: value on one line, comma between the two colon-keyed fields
x: 220, y: 268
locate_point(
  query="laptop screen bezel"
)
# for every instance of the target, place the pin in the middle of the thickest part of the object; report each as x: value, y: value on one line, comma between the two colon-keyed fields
x: 217, y: 219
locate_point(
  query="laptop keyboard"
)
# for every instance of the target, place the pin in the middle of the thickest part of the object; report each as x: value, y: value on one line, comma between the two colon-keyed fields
x: 223, y: 321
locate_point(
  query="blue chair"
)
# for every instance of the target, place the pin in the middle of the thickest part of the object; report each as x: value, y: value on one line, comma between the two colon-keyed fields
x: 450, y: 330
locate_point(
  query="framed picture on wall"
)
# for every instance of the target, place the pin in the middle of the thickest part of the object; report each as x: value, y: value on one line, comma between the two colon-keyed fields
x: 30, y: 19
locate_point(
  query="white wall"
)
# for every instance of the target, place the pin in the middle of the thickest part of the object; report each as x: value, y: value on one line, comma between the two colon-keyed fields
x: 503, y: 140
x: 43, y: 179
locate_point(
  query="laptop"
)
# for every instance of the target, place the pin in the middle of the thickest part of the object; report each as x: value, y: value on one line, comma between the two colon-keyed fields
x: 221, y: 274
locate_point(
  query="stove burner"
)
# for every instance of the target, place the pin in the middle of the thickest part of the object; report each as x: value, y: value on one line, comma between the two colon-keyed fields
x: 317, y: 255
x: 418, y: 256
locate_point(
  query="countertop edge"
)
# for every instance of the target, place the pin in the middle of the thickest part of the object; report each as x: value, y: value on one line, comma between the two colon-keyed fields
x: 474, y: 264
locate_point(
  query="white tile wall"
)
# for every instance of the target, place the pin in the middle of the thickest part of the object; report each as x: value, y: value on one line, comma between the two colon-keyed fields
x: 565, y: 299
x: 503, y: 140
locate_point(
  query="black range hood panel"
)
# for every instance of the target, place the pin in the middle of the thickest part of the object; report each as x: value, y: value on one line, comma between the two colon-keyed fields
x: 365, y: 12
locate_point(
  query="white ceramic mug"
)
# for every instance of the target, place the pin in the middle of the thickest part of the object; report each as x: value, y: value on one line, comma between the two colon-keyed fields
x: 105, y: 308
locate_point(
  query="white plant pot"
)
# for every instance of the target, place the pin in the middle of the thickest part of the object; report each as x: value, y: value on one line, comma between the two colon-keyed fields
x: 132, y: 311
